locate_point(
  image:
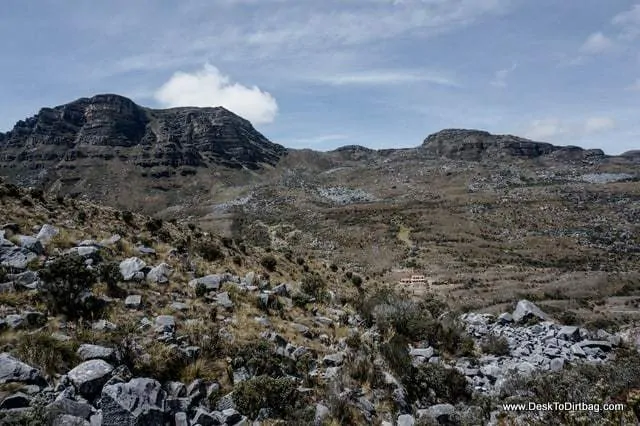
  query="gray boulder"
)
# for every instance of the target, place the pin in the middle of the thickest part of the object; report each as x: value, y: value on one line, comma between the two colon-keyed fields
x: 333, y: 360
x: 31, y: 243
x: 16, y: 257
x: 159, y: 274
x: 322, y: 412
x: 70, y: 407
x: 224, y: 301
x: 90, y: 376
x: 14, y: 370
x: 138, y: 402
x: 46, y: 233
x: 210, y: 282
x: 130, y: 267
x: 69, y: 420
x: 406, y: 420
x: 87, y: 352
x: 526, y: 310
x: 27, y: 279
x: 165, y: 324
x: 441, y: 413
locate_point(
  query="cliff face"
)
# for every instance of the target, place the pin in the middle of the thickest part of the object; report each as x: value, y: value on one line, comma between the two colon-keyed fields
x: 476, y: 145
x: 108, y: 126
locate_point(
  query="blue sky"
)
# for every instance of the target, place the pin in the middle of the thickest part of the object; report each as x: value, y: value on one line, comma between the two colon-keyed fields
x: 322, y: 74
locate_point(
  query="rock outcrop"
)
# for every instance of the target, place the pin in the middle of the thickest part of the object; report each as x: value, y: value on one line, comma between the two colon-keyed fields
x: 475, y: 145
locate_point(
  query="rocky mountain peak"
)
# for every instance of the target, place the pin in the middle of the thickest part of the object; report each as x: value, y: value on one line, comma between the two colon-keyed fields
x: 471, y: 144
x: 106, y: 129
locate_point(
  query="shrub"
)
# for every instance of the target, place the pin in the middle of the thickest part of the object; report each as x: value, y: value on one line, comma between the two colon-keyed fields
x: 109, y: 274
x: 127, y: 217
x: 153, y: 225
x: 568, y: 318
x: 3, y: 274
x: 496, y: 345
x: 356, y: 280
x: 278, y: 394
x: 82, y: 216
x: 269, y: 263
x: 259, y: 358
x: 210, y: 251
x: 300, y: 261
x: 447, y: 384
x: 396, y: 353
x: 314, y: 285
x: 333, y: 267
x: 65, y: 284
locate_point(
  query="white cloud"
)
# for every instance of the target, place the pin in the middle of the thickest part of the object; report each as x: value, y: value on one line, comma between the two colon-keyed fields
x: 385, y: 77
x: 544, y: 129
x: 597, y: 43
x: 629, y: 21
x: 209, y: 88
x: 558, y: 129
x: 598, y: 124
x: 500, y: 78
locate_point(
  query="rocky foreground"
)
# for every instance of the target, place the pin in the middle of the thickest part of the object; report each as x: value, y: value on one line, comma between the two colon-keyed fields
x: 149, y: 327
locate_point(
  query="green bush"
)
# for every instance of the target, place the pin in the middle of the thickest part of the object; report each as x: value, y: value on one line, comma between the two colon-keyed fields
x: 109, y: 274
x: 356, y: 280
x: 127, y: 217
x: 66, y: 284
x: 210, y: 251
x: 280, y: 395
x: 448, y: 384
x: 153, y: 225
x: 269, y: 263
x: 313, y: 285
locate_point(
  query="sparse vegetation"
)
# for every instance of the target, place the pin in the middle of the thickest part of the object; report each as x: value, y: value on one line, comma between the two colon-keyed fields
x: 66, y: 285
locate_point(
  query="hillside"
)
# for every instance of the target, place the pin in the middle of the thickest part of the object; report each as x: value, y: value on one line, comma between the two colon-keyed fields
x: 113, y: 318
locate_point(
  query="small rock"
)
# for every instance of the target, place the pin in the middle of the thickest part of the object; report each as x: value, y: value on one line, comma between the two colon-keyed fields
x: 223, y: 300
x: 87, y: 352
x: 130, y: 267
x: 133, y: 302
x: 165, y: 324
x: 556, y: 364
x: 159, y: 274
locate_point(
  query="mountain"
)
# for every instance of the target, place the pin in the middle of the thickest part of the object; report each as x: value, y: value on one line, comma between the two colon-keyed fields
x: 104, y: 140
x: 465, y: 144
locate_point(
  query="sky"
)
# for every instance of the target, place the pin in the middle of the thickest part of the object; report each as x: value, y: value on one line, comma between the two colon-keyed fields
x: 323, y: 74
